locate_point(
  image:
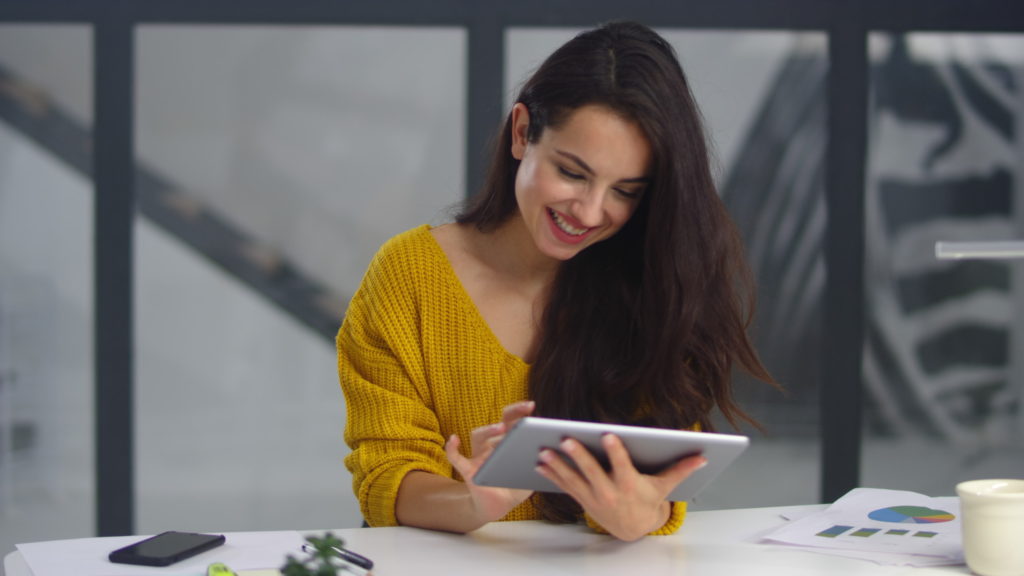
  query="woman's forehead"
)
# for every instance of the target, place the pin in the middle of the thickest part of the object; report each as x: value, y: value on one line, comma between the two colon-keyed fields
x: 603, y: 139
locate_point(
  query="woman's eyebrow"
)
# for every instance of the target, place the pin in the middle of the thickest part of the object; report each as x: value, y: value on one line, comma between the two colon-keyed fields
x: 586, y: 168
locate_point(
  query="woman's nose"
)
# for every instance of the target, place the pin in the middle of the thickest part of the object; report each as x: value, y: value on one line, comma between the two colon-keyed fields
x: 590, y: 207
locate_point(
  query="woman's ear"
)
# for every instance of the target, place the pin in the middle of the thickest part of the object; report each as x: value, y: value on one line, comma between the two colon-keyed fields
x: 520, y: 129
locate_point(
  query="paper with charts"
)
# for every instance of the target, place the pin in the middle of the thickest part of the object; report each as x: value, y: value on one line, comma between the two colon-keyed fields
x: 887, y: 526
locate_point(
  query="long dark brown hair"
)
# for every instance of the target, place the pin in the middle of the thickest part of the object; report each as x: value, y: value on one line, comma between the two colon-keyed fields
x: 645, y: 327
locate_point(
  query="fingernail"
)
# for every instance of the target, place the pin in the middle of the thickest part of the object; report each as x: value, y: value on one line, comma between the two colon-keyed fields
x: 568, y: 445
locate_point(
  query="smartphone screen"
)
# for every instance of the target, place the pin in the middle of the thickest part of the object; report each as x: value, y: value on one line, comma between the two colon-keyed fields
x: 166, y: 548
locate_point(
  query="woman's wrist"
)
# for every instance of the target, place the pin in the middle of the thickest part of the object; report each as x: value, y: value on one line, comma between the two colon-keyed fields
x: 664, y: 513
x: 677, y: 514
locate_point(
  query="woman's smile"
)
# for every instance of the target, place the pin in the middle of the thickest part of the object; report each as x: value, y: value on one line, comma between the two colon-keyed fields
x: 566, y: 231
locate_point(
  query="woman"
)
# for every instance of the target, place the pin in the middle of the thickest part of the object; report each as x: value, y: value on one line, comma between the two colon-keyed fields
x: 596, y: 277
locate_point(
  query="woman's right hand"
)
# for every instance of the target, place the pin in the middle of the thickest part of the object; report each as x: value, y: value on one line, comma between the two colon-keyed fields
x: 489, y: 503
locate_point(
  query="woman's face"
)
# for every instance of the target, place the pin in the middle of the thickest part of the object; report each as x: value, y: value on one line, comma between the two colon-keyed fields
x: 580, y: 182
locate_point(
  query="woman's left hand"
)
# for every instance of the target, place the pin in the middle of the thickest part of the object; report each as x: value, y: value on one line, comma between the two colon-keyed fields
x: 624, y: 502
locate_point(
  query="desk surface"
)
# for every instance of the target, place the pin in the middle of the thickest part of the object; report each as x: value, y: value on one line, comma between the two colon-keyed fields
x: 710, y: 543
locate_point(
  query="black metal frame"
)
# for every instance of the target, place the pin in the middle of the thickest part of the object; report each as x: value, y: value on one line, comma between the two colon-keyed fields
x: 846, y: 22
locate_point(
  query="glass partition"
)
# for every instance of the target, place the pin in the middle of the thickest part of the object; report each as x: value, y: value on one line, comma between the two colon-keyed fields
x: 274, y: 161
x: 763, y: 98
x: 944, y: 357
x: 47, y: 473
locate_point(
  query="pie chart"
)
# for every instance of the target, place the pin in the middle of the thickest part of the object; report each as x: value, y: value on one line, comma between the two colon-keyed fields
x: 911, y: 515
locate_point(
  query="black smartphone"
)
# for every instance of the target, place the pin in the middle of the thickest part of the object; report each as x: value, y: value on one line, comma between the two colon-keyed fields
x: 166, y: 548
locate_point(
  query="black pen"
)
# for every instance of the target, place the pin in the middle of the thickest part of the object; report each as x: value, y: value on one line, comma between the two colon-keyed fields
x: 346, y: 555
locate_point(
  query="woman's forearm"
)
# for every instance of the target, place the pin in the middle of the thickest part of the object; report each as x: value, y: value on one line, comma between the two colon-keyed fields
x: 430, y: 501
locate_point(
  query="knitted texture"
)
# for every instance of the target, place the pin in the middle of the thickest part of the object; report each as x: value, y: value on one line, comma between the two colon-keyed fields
x: 418, y: 363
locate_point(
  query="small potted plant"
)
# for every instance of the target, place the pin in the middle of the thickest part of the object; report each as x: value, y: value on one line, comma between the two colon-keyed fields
x: 322, y: 558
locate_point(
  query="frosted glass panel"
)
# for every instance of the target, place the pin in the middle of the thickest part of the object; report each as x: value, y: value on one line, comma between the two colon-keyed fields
x: 944, y: 362
x: 47, y: 472
x: 274, y: 162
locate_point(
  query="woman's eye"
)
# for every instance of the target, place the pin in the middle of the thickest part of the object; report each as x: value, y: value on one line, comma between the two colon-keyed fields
x: 570, y: 174
x: 631, y: 194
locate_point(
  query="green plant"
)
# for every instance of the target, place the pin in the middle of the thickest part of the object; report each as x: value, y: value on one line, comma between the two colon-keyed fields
x: 320, y: 561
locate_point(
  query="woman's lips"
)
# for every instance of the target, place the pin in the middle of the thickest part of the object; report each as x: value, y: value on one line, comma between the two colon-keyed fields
x: 565, y: 231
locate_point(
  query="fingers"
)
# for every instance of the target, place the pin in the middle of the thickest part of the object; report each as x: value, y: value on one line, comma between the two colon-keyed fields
x: 485, y: 438
x: 482, y: 442
x: 681, y: 470
x: 457, y: 460
x: 622, y: 464
x: 551, y: 466
x: 513, y: 412
x: 589, y: 478
x: 584, y: 481
x: 618, y: 456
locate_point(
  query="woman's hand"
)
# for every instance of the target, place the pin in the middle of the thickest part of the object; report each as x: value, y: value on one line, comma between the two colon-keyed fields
x: 489, y: 504
x: 624, y: 502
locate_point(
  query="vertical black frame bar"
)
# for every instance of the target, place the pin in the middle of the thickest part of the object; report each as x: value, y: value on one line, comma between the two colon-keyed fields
x: 114, y: 173
x: 842, y: 396
x: 485, y: 64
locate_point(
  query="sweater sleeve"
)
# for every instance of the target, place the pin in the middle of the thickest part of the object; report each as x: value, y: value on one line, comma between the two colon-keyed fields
x: 391, y: 426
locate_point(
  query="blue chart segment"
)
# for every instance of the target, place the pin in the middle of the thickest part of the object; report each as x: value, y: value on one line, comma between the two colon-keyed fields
x: 911, y: 515
x: 834, y: 531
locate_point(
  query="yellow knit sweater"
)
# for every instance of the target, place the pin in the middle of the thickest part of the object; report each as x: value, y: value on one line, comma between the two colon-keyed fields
x: 418, y: 363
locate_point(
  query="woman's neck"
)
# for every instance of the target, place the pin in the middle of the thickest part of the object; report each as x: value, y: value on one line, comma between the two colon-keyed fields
x: 513, y: 256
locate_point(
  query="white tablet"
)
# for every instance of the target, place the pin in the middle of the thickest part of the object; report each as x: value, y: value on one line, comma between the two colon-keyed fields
x: 512, y: 463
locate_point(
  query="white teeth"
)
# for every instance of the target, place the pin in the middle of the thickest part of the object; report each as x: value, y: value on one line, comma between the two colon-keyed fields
x: 565, y: 227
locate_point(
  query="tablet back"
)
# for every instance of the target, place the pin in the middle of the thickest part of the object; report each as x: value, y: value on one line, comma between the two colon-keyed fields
x: 652, y: 450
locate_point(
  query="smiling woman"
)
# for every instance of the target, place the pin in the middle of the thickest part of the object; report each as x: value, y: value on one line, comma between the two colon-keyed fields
x: 597, y: 276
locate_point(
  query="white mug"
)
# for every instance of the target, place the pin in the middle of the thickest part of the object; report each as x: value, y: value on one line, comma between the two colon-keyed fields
x: 992, y: 515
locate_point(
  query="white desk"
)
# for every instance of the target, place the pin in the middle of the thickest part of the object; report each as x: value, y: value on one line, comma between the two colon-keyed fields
x: 709, y: 544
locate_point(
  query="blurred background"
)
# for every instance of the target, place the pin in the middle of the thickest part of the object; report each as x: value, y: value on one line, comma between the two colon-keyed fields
x: 272, y: 159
